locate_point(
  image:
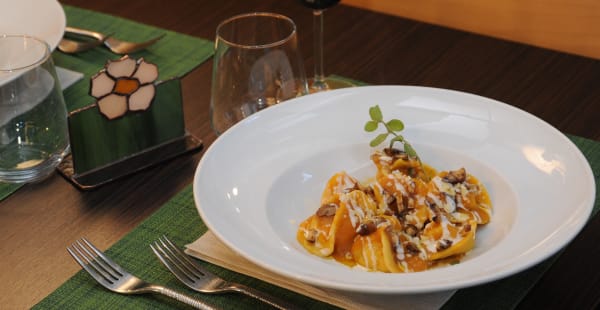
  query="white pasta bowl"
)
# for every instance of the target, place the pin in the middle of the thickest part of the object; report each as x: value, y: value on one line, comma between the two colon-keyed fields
x: 260, y: 179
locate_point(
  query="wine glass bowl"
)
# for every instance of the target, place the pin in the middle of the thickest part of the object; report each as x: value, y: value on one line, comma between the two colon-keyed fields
x: 257, y: 64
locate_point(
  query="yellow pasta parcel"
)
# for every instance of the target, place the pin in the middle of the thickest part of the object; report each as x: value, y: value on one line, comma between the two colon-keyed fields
x: 409, y: 218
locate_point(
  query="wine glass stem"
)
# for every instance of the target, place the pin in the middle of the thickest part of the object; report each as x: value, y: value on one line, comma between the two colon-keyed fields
x: 319, y: 79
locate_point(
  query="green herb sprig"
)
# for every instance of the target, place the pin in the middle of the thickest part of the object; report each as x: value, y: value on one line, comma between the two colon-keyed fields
x: 393, y: 127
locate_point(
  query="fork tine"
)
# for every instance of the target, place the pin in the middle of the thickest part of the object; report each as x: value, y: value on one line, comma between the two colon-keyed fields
x: 95, y: 263
x: 108, y: 261
x: 127, y: 283
x: 98, y: 263
x: 90, y: 269
x: 179, y: 259
x: 208, y: 282
x: 184, y: 258
x: 170, y: 264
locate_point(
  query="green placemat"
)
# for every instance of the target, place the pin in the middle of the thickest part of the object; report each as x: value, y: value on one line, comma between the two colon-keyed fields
x: 6, y: 189
x: 179, y: 220
x: 175, y: 54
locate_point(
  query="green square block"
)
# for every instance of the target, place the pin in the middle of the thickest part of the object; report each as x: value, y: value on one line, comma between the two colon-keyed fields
x: 97, y: 142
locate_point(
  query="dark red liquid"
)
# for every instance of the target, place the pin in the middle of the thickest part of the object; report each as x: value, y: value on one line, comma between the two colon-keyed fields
x: 319, y: 4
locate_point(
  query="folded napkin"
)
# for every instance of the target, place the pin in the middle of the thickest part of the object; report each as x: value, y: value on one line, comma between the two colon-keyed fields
x: 209, y: 248
x: 67, y: 77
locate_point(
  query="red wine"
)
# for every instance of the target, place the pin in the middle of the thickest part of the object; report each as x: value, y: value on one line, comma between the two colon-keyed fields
x: 319, y: 4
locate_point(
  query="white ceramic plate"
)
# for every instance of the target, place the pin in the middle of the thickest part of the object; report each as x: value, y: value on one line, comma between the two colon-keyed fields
x: 261, y: 178
x: 43, y: 19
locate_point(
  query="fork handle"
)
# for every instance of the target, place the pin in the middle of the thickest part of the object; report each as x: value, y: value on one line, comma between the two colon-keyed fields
x: 196, y: 303
x: 262, y: 296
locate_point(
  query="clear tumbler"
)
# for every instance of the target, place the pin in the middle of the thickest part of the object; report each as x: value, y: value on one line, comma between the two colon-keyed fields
x: 33, y: 116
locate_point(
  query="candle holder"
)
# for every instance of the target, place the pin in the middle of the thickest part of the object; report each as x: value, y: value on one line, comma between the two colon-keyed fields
x: 136, y: 122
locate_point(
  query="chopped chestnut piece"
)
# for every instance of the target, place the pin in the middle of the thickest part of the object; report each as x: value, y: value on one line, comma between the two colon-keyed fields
x: 354, y: 187
x: 392, y: 152
x: 392, y: 203
x: 472, y: 187
x: 411, y: 230
x: 390, y: 199
x: 327, y: 210
x: 369, y: 191
x: 427, y: 221
x: 405, y: 202
x: 311, y: 235
x: 402, y: 215
x: 366, y: 228
x: 431, y: 203
x: 444, y: 244
x: 412, y: 248
x: 455, y: 176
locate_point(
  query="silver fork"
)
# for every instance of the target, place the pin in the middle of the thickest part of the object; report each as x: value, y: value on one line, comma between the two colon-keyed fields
x: 113, y: 277
x: 71, y: 46
x: 198, y: 278
x: 115, y: 45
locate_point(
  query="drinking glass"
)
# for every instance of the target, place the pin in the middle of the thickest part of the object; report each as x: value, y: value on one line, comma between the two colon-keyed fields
x: 319, y: 82
x: 257, y: 64
x: 33, y: 116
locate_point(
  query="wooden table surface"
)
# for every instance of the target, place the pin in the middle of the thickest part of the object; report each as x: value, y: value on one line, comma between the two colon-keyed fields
x: 40, y: 220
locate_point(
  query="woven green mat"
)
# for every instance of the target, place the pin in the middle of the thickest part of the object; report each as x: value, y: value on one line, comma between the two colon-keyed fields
x: 6, y: 189
x: 179, y: 220
x: 175, y: 54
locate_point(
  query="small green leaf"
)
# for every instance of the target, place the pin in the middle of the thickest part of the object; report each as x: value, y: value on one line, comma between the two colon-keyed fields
x: 375, y: 113
x: 378, y: 140
x: 398, y: 139
x: 396, y: 125
x: 410, y: 151
x: 371, y: 126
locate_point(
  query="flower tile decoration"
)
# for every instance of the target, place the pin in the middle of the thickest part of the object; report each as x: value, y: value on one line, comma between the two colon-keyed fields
x: 124, y: 85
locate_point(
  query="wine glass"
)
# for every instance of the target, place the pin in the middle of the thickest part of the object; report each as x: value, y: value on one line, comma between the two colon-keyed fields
x: 319, y: 82
x: 257, y: 64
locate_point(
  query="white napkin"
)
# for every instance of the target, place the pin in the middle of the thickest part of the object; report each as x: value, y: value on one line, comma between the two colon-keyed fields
x: 67, y: 77
x: 209, y: 248
x: 36, y: 93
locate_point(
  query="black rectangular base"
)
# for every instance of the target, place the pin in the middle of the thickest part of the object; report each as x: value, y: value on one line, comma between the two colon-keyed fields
x: 126, y: 166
